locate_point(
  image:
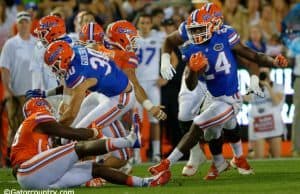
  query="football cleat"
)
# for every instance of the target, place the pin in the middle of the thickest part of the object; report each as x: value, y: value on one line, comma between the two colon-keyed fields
x: 161, y: 179
x: 195, y: 161
x: 214, y: 171
x: 241, y: 165
x: 162, y: 166
x: 96, y: 182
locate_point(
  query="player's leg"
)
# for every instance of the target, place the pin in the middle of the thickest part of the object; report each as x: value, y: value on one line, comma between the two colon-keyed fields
x: 109, y: 111
x: 215, y: 115
x: 233, y: 135
x: 189, y: 108
x: 219, y: 164
x: 118, y: 158
x: 117, y: 177
x: 47, y: 167
x: 89, y: 103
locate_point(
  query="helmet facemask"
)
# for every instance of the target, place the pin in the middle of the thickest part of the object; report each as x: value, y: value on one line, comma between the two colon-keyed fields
x: 200, y: 33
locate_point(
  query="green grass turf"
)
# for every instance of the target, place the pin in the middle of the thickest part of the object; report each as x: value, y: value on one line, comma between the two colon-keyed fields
x: 271, y: 176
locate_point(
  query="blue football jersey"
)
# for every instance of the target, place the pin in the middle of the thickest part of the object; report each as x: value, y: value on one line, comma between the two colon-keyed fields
x: 183, y: 32
x: 221, y: 73
x: 88, y: 63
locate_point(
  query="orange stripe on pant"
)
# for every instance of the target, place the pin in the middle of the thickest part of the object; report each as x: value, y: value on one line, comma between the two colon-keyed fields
x: 215, y: 118
x: 47, y: 155
x: 45, y: 163
x: 222, y: 120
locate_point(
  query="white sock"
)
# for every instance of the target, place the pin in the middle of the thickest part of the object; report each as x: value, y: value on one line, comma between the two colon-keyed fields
x: 135, y: 181
x: 156, y: 147
x: 218, y: 159
x: 117, y: 143
x: 195, y: 153
x: 237, y: 148
x: 175, y: 156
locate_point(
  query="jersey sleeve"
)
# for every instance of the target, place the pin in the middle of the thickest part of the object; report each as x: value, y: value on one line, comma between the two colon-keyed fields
x: 74, y: 80
x: 126, y: 60
x: 185, y: 53
x: 41, y: 118
x: 183, y: 32
x: 233, y: 37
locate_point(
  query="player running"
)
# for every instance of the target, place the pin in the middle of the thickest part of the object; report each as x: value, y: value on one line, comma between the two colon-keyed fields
x: 213, y: 54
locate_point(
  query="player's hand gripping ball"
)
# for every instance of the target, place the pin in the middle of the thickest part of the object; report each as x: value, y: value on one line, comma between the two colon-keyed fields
x: 280, y: 61
x: 198, y: 62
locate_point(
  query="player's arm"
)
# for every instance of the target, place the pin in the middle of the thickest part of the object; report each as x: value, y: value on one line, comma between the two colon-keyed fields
x: 259, y: 58
x: 191, y: 79
x: 197, y: 64
x: 142, y: 97
x: 77, y: 95
x: 172, y: 41
x: 140, y: 93
x: 54, y: 128
x: 252, y: 67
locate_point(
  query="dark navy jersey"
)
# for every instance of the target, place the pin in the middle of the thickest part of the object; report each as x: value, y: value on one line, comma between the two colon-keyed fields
x: 88, y: 63
x: 221, y: 73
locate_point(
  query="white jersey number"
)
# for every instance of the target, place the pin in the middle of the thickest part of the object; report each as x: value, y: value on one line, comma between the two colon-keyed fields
x: 222, y: 64
x: 97, y: 59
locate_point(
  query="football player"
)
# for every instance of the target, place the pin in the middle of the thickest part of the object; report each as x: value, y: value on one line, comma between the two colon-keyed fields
x: 38, y: 165
x: 123, y: 39
x: 213, y: 52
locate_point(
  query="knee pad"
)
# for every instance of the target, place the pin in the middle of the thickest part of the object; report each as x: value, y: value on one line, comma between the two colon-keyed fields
x: 232, y: 135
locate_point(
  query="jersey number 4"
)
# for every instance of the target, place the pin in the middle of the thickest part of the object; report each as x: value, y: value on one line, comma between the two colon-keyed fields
x: 222, y: 64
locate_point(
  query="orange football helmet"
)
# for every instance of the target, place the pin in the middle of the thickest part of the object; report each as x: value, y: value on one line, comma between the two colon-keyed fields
x: 35, y: 105
x: 58, y: 56
x: 91, y: 33
x: 50, y: 28
x: 216, y: 12
x: 123, y: 35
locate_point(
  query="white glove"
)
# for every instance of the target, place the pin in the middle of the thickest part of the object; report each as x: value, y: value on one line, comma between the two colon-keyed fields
x: 254, y: 87
x: 167, y: 70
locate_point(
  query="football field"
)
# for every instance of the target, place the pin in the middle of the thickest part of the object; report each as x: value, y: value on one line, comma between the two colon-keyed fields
x: 271, y: 176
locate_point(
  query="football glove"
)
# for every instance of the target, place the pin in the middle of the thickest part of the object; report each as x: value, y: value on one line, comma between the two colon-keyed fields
x: 167, y: 71
x: 254, y: 87
x: 280, y: 61
x: 198, y: 61
x: 35, y: 93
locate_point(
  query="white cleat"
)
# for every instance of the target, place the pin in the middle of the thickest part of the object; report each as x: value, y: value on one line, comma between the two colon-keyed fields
x: 197, y: 158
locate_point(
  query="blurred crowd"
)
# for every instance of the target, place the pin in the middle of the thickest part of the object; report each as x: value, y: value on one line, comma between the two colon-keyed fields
x: 257, y: 21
